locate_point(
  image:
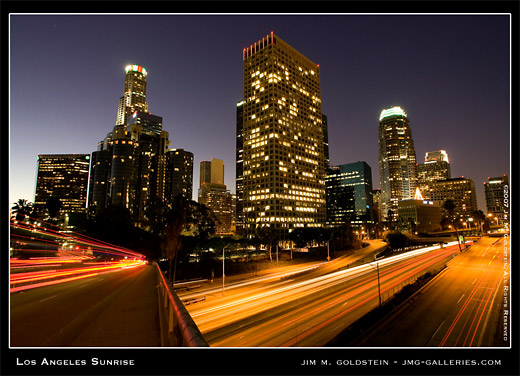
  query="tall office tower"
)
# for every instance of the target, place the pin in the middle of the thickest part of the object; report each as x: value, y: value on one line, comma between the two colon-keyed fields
x: 376, y: 199
x: 211, y: 172
x: 497, y: 198
x: 134, y: 95
x: 239, y: 187
x: 436, y: 166
x: 325, y: 140
x: 214, y: 194
x: 64, y: 176
x: 397, y: 166
x: 349, y: 194
x: 178, y: 174
x: 283, y: 158
x: 460, y: 190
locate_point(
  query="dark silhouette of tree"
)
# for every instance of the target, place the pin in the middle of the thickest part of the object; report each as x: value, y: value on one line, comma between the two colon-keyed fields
x: 449, y: 206
x: 22, y: 208
x: 53, y: 206
x: 268, y: 236
x: 480, y: 218
x: 396, y: 240
x: 188, y: 216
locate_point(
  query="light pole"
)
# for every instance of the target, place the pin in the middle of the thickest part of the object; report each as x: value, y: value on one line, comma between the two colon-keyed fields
x: 378, y: 282
x: 223, y: 268
x: 328, y: 253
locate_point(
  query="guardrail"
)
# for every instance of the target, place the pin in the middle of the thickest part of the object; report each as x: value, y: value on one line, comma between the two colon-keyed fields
x: 177, y: 327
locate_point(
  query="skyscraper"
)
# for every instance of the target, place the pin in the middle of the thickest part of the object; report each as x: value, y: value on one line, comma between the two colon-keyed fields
x: 497, y: 198
x: 130, y: 166
x: 283, y: 156
x: 239, y: 172
x: 349, y: 194
x: 64, y: 176
x: 460, y: 190
x: 134, y: 95
x: 178, y: 174
x: 397, y: 162
x: 436, y: 166
x: 214, y: 194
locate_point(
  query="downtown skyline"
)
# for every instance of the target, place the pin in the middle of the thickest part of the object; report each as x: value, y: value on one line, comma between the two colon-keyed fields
x: 434, y: 67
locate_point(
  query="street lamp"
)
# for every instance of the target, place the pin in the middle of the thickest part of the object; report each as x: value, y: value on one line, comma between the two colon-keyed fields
x: 328, y: 253
x: 223, y: 268
x: 378, y: 282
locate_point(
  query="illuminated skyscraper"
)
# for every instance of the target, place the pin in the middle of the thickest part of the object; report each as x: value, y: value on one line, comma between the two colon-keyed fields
x: 436, y: 166
x: 64, y: 176
x: 283, y: 149
x: 239, y: 172
x: 397, y: 162
x: 134, y: 95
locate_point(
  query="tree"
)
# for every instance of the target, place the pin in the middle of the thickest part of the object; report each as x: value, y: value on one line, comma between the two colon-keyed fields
x: 449, y: 206
x: 22, y: 208
x: 185, y: 216
x: 480, y: 218
x: 53, y: 206
x: 268, y: 236
x: 396, y: 240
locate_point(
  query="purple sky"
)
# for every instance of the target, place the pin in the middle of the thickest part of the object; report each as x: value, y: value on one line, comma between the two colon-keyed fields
x: 450, y: 73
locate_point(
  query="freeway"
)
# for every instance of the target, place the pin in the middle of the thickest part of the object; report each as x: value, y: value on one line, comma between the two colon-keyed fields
x: 310, y: 311
x: 459, y: 308
x: 113, y: 309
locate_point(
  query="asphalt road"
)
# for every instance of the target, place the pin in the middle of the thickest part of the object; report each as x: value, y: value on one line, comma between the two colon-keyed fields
x: 117, y: 309
x: 308, y: 312
x: 459, y: 308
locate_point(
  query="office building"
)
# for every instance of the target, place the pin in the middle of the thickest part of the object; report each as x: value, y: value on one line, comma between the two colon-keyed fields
x: 134, y: 94
x: 436, y: 166
x: 460, y: 190
x: 66, y: 177
x: 397, y: 162
x: 325, y: 124
x: 178, y: 174
x: 239, y: 172
x: 214, y: 194
x: 349, y: 194
x: 497, y: 199
x: 283, y: 149
x: 419, y: 215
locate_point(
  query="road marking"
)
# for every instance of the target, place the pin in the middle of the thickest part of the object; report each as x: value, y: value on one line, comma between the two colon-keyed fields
x: 83, y: 286
x: 437, y: 329
x: 337, y: 327
x: 100, y: 279
x: 47, y: 298
x: 474, y: 281
x: 460, y: 298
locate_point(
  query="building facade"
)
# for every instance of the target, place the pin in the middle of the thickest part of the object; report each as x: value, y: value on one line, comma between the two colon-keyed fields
x: 436, y: 166
x: 397, y: 160
x: 214, y: 194
x: 178, y: 174
x: 134, y: 95
x: 283, y: 148
x: 497, y: 199
x: 239, y: 172
x: 66, y: 177
x: 349, y: 194
x: 460, y: 190
x: 419, y: 215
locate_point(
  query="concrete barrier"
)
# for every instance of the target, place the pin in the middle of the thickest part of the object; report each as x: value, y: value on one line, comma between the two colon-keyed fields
x: 177, y: 327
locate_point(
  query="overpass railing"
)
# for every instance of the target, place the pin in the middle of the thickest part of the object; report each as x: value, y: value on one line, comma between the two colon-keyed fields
x: 177, y: 327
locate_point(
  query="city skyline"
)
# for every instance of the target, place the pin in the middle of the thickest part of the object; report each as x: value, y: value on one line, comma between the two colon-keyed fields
x: 199, y: 110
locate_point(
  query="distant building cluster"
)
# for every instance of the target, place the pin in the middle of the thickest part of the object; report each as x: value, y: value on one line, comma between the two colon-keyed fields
x: 284, y: 179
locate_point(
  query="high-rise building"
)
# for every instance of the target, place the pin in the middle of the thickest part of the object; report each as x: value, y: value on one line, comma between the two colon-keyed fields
x: 436, y: 166
x: 376, y: 199
x: 283, y: 148
x: 325, y: 123
x: 497, y: 198
x: 214, y: 194
x: 64, y: 176
x: 134, y: 95
x: 239, y: 172
x: 419, y: 215
x: 178, y: 175
x: 460, y: 190
x: 397, y: 161
x: 130, y: 166
x: 349, y: 194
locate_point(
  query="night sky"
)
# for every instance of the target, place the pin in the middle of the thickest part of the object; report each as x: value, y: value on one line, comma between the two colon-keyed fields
x: 450, y: 73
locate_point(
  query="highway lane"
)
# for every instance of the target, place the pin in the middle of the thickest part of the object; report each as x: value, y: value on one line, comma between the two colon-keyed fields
x: 310, y: 312
x: 459, y: 308
x: 98, y: 311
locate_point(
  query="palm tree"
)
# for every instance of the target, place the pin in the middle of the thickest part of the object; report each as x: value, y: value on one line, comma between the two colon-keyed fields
x: 449, y: 206
x: 22, y: 208
x: 480, y: 218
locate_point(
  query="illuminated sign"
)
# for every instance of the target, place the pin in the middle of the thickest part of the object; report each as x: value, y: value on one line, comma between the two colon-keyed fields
x: 393, y: 111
